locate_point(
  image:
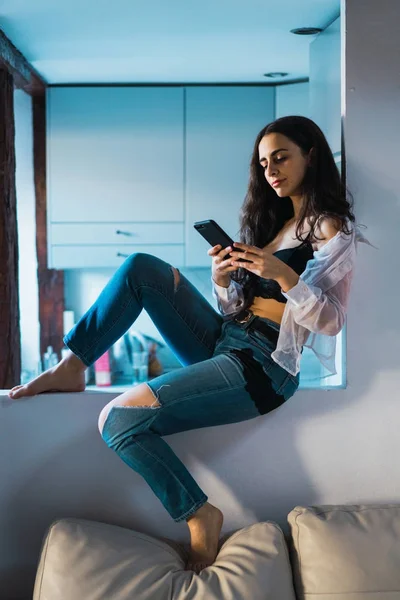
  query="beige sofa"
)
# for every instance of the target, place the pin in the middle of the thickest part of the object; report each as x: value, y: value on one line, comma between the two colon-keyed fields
x: 332, y: 553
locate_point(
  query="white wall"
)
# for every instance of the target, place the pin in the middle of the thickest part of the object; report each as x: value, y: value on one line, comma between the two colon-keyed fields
x: 319, y: 448
x: 28, y: 285
x: 325, y: 102
x: 292, y: 99
x: 372, y: 134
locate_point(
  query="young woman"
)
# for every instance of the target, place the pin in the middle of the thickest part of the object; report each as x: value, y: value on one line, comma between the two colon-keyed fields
x: 299, y: 238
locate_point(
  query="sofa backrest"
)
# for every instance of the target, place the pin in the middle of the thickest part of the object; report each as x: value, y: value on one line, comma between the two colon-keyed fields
x: 86, y: 560
x: 349, y: 552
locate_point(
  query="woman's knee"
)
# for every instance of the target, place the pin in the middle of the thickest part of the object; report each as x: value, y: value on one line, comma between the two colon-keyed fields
x: 140, y: 259
x: 140, y: 262
x: 103, y: 416
x: 138, y: 265
x: 140, y: 396
x: 147, y: 266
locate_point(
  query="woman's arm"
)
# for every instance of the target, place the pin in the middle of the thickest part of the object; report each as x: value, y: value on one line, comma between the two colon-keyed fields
x: 229, y: 299
x: 318, y: 311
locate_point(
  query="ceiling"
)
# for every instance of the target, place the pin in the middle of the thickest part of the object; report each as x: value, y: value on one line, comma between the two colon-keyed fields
x: 164, y: 41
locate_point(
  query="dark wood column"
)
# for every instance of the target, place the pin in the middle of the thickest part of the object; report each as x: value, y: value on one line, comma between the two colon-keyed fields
x: 51, y: 281
x: 10, y: 338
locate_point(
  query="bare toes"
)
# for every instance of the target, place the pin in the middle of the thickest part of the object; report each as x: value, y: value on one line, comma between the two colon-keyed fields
x: 19, y: 392
x: 15, y: 388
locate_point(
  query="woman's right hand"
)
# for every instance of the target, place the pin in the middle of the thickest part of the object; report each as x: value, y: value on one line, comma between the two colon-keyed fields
x: 221, y: 267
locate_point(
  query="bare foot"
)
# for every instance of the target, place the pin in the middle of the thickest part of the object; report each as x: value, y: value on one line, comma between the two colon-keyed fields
x: 67, y: 376
x: 205, y: 527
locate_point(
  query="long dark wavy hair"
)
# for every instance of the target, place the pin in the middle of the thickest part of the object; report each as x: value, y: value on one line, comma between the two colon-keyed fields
x: 263, y: 213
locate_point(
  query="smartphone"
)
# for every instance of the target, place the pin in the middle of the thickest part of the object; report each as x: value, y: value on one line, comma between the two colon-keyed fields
x: 214, y: 234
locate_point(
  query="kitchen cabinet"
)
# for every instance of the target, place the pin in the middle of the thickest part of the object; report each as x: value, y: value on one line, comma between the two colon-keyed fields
x: 102, y: 256
x: 115, y: 154
x: 222, y: 124
x: 132, y: 168
x: 97, y: 245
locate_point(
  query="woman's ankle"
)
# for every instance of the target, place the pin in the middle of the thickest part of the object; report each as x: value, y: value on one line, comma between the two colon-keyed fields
x: 74, y: 362
x: 202, y: 512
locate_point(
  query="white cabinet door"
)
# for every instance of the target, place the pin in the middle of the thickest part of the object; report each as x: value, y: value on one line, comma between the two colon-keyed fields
x: 89, y: 257
x: 115, y: 154
x: 222, y: 124
x: 75, y: 234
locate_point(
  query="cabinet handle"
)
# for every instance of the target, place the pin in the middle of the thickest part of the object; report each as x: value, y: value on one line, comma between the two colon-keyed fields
x: 124, y: 255
x: 128, y: 233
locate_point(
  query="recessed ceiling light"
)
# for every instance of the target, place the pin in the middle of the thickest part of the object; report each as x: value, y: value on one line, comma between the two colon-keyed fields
x: 274, y: 75
x: 306, y: 30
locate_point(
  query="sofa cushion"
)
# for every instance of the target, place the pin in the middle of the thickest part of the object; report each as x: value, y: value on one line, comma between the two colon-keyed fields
x: 348, y: 552
x: 87, y: 560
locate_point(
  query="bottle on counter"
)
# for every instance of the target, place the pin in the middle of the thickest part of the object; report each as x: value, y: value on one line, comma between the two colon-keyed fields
x: 50, y: 358
x: 139, y: 356
x: 155, y: 366
x: 102, y: 370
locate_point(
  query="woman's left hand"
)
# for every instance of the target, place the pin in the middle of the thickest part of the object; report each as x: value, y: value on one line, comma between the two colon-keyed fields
x: 262, y: 261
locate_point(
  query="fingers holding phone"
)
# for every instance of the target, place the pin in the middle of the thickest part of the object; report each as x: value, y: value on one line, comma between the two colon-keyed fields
x: 221, y: 244
x: 221, y: 265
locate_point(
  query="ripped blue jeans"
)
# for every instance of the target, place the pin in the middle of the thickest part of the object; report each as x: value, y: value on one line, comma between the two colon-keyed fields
x: 228, y: 375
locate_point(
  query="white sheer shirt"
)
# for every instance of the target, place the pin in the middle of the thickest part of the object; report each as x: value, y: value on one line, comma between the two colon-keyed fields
x: 316, y: 306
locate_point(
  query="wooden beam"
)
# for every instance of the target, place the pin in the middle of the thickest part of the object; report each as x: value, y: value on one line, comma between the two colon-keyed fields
x: 50, y: 281
x: 24, y: 75
x: 10, y: 338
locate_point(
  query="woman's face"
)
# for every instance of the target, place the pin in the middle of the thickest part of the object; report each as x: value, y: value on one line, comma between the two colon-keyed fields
x: 284, y: 164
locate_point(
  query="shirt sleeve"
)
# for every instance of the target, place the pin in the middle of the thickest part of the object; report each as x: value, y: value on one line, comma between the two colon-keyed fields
x: 318, y: 311
x: 229, y: 300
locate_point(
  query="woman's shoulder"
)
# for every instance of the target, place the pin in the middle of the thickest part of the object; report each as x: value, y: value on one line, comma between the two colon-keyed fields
x: 326, y: 228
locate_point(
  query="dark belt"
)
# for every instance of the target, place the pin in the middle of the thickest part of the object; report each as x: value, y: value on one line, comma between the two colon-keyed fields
x: 245, y: 315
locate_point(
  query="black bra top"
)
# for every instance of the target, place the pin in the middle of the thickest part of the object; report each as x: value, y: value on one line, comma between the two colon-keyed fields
x: 296, y: 258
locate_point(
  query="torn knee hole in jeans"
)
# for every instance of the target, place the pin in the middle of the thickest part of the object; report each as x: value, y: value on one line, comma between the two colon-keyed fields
x: 151, y: 406
x: 156, y: 403
x: 177, y: 277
